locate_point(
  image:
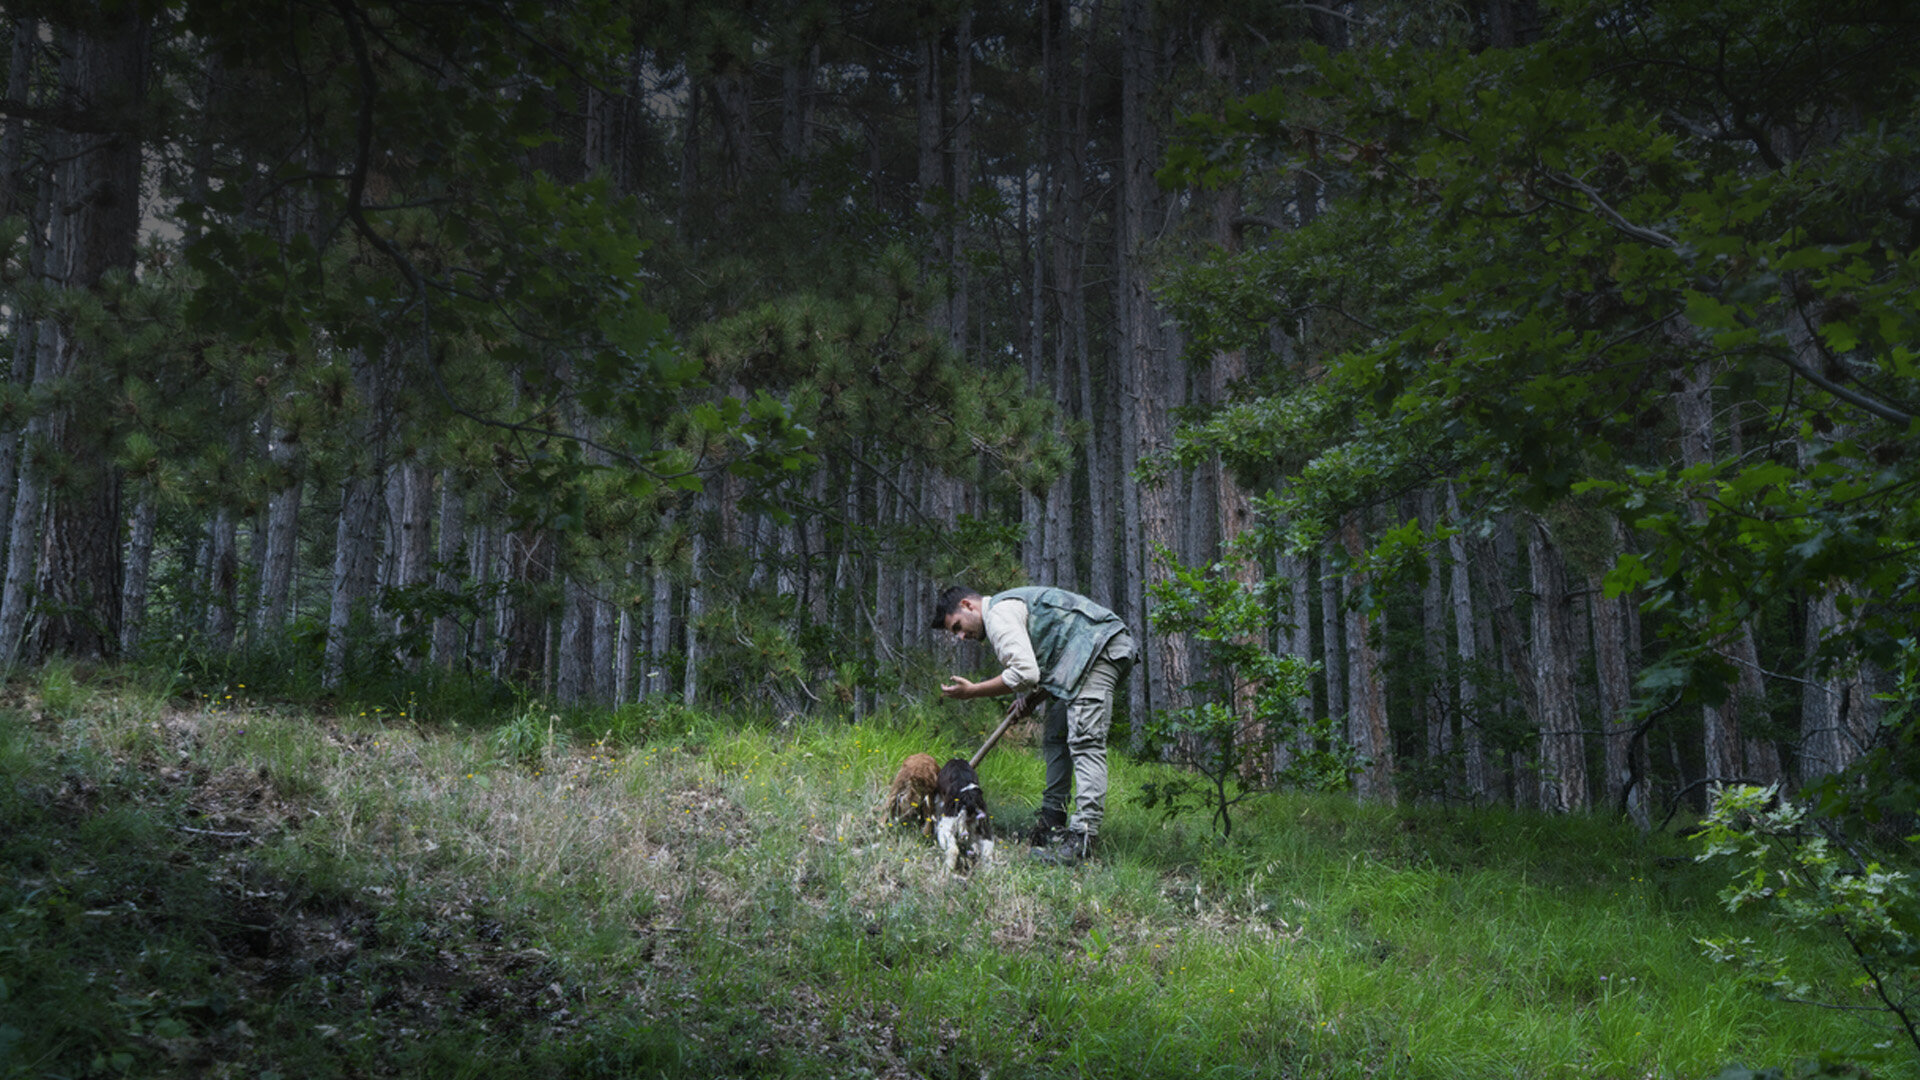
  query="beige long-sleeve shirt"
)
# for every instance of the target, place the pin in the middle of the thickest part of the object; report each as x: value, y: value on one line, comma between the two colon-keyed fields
x: 1005, y: 623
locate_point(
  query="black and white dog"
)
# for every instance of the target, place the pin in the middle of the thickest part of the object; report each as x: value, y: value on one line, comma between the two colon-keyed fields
x: 964, y: 829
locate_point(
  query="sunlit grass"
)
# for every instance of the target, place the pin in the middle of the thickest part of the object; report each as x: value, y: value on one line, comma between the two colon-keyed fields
x: 709, y: 888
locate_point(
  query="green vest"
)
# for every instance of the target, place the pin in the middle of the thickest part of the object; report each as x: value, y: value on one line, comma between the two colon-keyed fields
x: 1069, y: 633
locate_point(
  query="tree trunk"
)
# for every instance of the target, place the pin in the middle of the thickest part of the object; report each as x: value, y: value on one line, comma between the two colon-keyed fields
x: 282, y: 542
x: 888, y: 579
x: 27, y: 515
x: 625, y: 643
x: 1333, y: 635
x: 408, y: 559
x: 1628, y: 767
x: 1498, y: 558
x: 140, y: 530
x: 1156, y: 380
x: 605, y: 680
x: 1296, y: 636
x: 222, y: 580
x: 1828, y: 698
x: 930, y: 136
x: 796, y: 125
x: 1721, y: 722
x: 696, y: 608
x: 355, y: 562
x: 529, y: 611
x: 23, y: 43
x: 1071, y: 254
x: 573, y: 679
x: 1434, y: 622
x: 16, y: 199
x: 960, y: 180
x: 78, y: 578
x: 446, y: 647
x: 1466, y: 636
x: 481, y: 647
x: 1366, y: 692
x: 660, y: 633
x: 1563, y: 758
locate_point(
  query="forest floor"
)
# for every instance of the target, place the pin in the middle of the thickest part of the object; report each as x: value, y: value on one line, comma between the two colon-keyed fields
x: 220, y: 887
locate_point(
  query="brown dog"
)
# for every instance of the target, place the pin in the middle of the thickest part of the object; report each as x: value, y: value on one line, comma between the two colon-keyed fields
x: 913, y: 792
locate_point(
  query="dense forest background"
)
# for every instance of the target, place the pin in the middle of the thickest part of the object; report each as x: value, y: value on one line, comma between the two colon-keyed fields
x: 1547, y: 369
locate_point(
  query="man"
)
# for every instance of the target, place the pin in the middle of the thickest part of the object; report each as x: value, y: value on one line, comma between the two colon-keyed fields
x: 1059, y: 646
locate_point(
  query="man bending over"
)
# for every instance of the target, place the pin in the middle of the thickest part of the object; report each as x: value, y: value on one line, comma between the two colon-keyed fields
x: 1056, y: 647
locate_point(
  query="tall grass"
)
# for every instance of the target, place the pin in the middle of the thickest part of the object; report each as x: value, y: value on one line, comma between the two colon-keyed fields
x: 671, y: 894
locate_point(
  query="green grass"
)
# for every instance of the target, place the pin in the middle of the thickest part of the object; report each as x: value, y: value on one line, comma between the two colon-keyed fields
x: 215, y: 885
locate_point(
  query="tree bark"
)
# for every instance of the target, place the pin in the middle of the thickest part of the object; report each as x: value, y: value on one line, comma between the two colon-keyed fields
x: 573, y: 679
x: 960, y: 183
x: 696, y: 608
x: 1296, y: 637
x: 140, y: 532
x: 1563, y: 759
x: 1466, y: 638
x: 528, y: 615
x: 1333, y: 635
x: 1366, y: 692
x: 23, y: 44
x: 410, y: 505
x: 354, y: 570
x: 1498, y: 558
x: 605, y: 680
x: 1627, y: 764
x: 797, y: 77
x: 78, y: 577
x: 1071, y: 286
x: 446, y: 649
x: 660, y: 633
x: 282, y: 541
x: 222, y: 579
x: 1722, y: 742
x: 32, y: 203
x: 1434, y: 621
x: 481, y: 647
x: 1156, y: 380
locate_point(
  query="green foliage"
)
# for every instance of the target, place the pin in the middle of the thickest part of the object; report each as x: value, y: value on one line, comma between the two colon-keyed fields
x: 1804, y: 874
x: 1243, y: 735
x: 726, y: 904
x: 473, y: 281
x: 533, y: 737
x: 61, y: 694
x: 1536, y: 251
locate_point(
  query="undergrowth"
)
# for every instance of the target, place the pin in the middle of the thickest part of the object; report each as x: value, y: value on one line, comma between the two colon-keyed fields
x: 196, y: 883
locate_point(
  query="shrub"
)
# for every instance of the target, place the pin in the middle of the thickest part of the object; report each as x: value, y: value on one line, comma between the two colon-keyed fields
x: 1244, y: 735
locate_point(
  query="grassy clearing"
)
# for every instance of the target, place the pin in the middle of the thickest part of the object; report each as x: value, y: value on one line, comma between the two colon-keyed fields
x: 214, y: 886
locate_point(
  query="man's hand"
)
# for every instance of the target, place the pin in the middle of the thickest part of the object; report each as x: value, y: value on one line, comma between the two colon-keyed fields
x: 959, y: 689
x: 1032, y: 701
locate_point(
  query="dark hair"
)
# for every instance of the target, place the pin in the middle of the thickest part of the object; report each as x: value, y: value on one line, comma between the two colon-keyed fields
x: 949, y: 603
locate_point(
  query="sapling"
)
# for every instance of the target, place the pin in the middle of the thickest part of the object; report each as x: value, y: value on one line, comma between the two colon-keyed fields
x: 1244, y: 735
x: 1805, y: 874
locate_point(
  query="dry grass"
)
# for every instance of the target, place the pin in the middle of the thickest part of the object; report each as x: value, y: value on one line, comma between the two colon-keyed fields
x: 724, y: 904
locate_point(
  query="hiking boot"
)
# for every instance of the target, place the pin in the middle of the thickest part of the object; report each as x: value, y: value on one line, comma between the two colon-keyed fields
x: 1047, y: 828
x: 1069, y: 849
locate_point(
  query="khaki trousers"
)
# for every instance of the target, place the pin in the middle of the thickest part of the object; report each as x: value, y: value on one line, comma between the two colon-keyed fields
x: 1074, y: 747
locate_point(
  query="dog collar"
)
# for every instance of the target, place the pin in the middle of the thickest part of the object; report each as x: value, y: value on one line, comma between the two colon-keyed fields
x: 969, y: 787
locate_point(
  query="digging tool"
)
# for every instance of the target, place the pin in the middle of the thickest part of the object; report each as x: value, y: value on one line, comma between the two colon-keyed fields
x: 1014, y: 712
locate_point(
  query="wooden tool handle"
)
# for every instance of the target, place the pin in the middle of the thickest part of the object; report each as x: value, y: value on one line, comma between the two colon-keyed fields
x: 1013, y: 712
